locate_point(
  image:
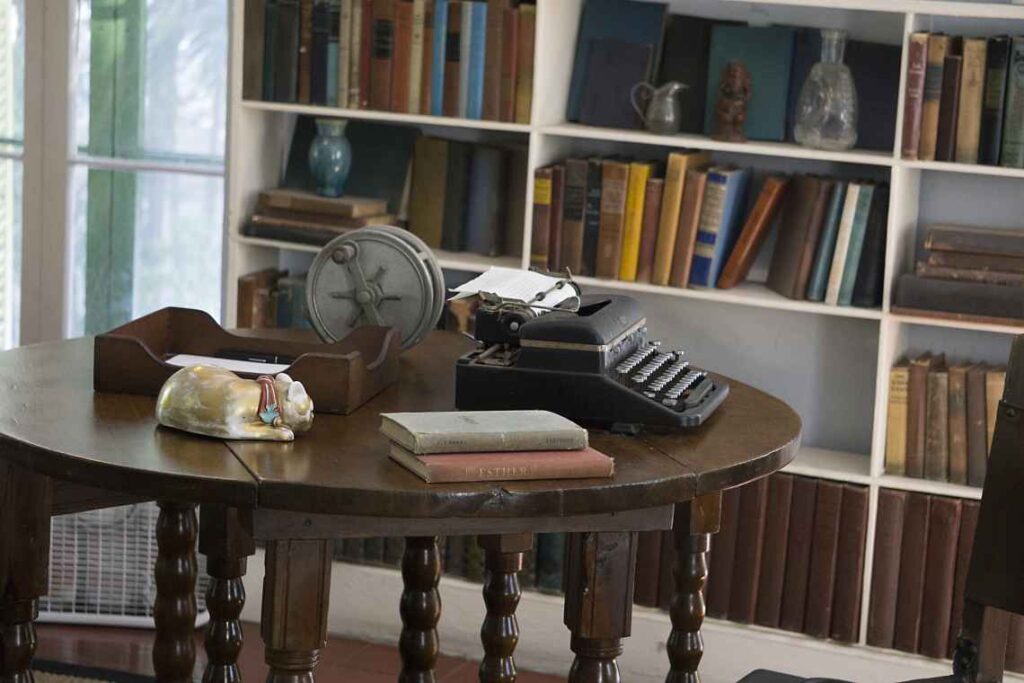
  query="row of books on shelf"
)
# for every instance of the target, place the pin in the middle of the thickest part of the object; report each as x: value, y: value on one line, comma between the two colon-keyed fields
x: 471, y: 59
x: 689, y: 225
x: 622, y: 43
x: 272, y: 298
x: 967, y: 273
x: 923, y: 549
x: 964, y: 100
x: 941, y: 419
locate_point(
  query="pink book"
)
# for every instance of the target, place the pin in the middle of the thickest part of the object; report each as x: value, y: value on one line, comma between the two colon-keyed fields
x: 447, y: 468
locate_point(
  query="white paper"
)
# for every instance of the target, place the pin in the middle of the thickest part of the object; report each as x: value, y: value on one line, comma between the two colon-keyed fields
x: 184, y: 360
x: 518, y: 285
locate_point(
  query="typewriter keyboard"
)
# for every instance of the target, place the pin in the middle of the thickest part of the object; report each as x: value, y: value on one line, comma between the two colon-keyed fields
x: 665, y: 377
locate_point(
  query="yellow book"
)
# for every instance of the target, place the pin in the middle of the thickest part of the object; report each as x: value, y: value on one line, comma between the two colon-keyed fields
x: 995, y: 383
x: 639, y: 172
x: 671, y: 201
x: 896, y: 421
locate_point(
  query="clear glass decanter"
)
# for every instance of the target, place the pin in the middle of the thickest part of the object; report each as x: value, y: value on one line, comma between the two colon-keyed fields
x: 826, y: 115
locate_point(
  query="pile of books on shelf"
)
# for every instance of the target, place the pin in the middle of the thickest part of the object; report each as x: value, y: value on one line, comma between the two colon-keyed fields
x: 941, y: 419
x: 298, y: 216
x: 964, y: 102
x: 685, y: 227
x: 966, y: 273
x: 465, y: 58
x: 621, y: 43
x: 272, y: 298
x: 922, y: 551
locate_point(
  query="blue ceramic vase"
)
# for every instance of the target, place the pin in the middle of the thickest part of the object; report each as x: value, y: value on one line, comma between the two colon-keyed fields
x: 330, y: 157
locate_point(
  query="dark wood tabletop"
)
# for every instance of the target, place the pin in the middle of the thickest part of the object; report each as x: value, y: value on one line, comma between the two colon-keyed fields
x: 52, y: 422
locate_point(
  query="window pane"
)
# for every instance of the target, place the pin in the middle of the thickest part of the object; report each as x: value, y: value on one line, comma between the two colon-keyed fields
x: 10, y: 251
x: 175, y: 255
x: 168, y: 82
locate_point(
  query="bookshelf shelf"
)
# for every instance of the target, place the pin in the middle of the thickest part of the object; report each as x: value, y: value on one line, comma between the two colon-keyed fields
x: 386, y: 116
x: 822, y: 358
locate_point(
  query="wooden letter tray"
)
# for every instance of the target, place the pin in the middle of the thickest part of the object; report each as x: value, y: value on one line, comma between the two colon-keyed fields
x: 339, y: 377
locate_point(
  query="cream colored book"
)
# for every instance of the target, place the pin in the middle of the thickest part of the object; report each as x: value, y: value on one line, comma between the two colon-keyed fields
x: 354, y: 38
x: 972, y: 90
x: 472, y: 431
x: 416, y: 57
x: 835, y: 275
x: 896, y: 421
x: 995, y: 383
x: 671, y: 203
x: 345, y: 54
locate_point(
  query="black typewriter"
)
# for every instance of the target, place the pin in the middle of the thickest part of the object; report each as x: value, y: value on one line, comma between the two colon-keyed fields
x: 591, y: 362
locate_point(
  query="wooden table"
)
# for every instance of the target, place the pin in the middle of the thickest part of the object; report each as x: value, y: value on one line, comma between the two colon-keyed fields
x: 64, y: 449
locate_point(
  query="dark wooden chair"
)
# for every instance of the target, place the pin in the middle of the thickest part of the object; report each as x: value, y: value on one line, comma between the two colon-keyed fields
x: 995, y: 580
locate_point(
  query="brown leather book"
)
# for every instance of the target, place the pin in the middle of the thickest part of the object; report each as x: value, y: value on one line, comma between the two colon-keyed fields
x: 427, y: 71
x: 557, y: 213
x: 800, y: 225
x: 649, y: 228
x: 913, y: 553
x: 305, y: 201
x: 936, y: 434
x: 509, y: 64
x: 401, y: 57
x: 749, y: 551
x: 254, y: 32
x: 849, y: 580
x: 305, y: 50
x: 1015, y: 644
x: 614, y: 179
x: 885, y: 571
x: 540, y: 235
x: 451, y: 59
x: 449, y: 468
x: 1010, y: 264
x: 958, y: 424
x: 798, y: 553
x: 949, y: 108
x: 917, y: 62
x: 752, y: 236
x: 938, y: 48
x: 965, y: 544
x: 972, y: 90
x: 366, y: 48
x: 648, y: 566
x: 722, y: 559
x: 939, y: 575
x: 255, y: 305
x: 524, y: 69
x: 427, y: 198
x: 573, y: 207
x: 824, y: 546
x: 977, y: 435
x: 989, y: 277
x: 494, y: 47
x: 917, y: 410
x: 383, y: 39
x: 773, y: 558
x: 689, y: 222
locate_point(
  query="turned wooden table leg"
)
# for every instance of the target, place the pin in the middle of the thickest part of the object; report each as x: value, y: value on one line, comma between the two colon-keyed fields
x: 226, y: 541
x: 503, y: 560
x: 420, y: 609
x: 174, y: 610
x: 25, y: 501
x: 692, y: 527
x: 599, y: 602
x: 296, y: 588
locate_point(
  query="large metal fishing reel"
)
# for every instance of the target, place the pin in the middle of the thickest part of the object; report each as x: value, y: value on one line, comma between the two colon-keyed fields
x: 378, y: 275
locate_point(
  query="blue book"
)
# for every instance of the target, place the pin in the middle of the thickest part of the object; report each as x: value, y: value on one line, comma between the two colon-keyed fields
x: 624, y: 20
x: 826, y: 244
x: 332, y: 74
x: 484, y: 209
x: 767, y: 52
x: 860, y: 222
x: 465, y: 44
x: 475, y: 66
x: 437, y: 58
x: 725, y: 197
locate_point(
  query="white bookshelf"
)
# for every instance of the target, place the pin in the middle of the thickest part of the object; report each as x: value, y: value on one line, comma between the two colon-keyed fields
x: 831, y: 363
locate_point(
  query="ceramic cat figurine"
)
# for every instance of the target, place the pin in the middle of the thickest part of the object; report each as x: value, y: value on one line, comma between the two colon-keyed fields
x: 211, y: 401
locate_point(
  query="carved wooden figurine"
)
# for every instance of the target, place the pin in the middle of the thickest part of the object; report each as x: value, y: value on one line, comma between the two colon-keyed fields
x: 206, y: 400
x: 734, y: 92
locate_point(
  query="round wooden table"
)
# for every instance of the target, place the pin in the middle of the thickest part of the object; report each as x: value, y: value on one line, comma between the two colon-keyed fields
x: 64, y: 449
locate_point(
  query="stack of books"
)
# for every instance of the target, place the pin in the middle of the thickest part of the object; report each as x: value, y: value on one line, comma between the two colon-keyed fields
x: 941, y: 419
x: 300, y: 216
x: 500, y: 445
x: 621, y: 43
x: 966, y: 273
x: 440, y: 57
x: 271, y: 298
x: 689, y: 225
x: 964, y: 102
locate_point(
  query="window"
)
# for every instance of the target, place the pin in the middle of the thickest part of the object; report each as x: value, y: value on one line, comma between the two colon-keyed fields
x: 12, y: 70
x: 149, y: 98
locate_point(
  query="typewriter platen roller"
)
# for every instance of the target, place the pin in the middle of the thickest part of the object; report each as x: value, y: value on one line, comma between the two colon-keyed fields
x: 595, y: 366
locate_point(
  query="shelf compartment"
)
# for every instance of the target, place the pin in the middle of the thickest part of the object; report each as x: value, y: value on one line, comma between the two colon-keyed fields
x: 746, y: 294
x: 969, y: 325
x: 938, y: 488
x: 386, y: 116
x: 854, y: 468
x: 772, y: 149
x: 967, y: 169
